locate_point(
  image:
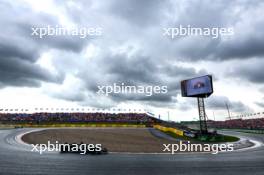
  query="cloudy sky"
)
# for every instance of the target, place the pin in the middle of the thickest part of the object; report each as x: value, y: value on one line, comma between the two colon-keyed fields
x: 64, y: 71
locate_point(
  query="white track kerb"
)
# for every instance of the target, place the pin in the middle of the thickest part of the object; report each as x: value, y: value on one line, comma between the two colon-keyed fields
x: 18, y: 138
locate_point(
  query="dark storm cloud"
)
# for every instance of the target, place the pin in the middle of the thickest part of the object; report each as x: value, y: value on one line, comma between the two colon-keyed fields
x: 158, y: 14
x: 137, y: 12
x: 146, y: 70
x: 246, y: 42
x: 252, y: 46
x: 136, y: 23
x: 174, y: 71
x: 260, y: 104
x: 19, y: 50
x: 17, y: 72
x: 61, y: 42
x: 141, y: 13
x: 219, y: 103
x: 8, y: 50
x: 137, y: 70
x: 251, y: 71
x: 119, y: 68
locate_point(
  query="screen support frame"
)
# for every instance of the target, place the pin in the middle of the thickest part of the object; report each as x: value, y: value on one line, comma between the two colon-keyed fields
x: 202, y: 115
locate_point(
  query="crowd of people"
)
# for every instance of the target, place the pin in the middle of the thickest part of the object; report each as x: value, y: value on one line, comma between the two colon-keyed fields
x: 77, y: 117
x: 257, y: 123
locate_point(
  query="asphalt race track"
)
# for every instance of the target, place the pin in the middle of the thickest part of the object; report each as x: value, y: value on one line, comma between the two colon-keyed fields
x: 16, y: 158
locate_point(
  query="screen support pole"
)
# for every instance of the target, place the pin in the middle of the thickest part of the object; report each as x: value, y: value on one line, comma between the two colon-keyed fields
x: 202, y: 115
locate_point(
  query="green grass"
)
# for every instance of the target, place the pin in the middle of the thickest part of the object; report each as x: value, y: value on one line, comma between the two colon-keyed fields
x: 227, y: 138
x: 178, y: 136
x: 246, y: 131
x: 217, y: 139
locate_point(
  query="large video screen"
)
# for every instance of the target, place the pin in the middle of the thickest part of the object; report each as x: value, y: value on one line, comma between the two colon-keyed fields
x: 197, y: 87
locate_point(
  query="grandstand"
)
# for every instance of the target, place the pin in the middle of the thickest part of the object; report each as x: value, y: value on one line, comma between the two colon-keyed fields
x: 255, y: 123
x: 96, y: 117
x: 53, y: 118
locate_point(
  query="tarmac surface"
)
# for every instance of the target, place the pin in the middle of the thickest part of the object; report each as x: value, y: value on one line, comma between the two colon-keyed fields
x: 16, y: 158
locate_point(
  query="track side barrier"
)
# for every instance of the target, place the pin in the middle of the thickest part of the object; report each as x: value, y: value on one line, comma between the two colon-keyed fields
x: 168, y: 129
